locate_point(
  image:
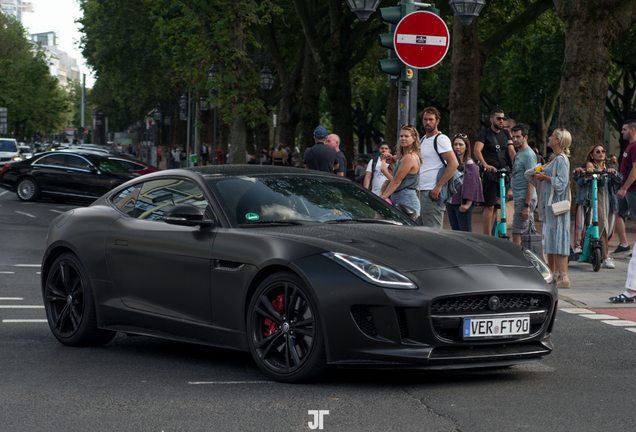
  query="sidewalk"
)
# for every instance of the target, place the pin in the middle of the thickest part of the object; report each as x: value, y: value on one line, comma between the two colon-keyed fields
x: 589, y: 289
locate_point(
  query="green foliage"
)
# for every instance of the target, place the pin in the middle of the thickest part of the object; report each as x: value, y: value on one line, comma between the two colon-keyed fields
x: 34, y: 100
x: 621, y: 103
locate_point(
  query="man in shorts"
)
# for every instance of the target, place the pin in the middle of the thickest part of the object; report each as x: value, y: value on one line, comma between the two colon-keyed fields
x: 494, y: 150
x: 627, y: 203
x: 521, y: 190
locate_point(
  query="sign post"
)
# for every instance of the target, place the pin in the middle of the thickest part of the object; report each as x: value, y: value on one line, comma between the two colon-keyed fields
x: 3, y: 121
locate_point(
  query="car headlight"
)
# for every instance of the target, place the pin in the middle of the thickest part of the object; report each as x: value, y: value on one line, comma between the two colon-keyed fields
x: 371, y: 272
x: 17, y: 158
x: 539, y: 265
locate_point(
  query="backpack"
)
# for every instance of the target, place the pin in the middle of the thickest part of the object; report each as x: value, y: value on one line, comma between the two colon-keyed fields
x: 456, y: 182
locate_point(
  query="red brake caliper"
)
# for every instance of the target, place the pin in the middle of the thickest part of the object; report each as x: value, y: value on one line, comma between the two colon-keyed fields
x: 270, y: 326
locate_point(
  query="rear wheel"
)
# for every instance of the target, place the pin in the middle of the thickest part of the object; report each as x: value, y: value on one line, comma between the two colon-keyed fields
x: 69, y: 304
x: 596, y: 259
x: 284, y: 330
x: 28, y: 189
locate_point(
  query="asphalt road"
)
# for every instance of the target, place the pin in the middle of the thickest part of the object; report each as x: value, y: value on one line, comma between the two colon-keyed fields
x: 145, y: 384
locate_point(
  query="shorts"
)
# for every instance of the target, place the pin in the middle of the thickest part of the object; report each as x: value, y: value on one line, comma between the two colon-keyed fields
x: 491, y: 192
x: 519, y: 226
x: 627, y: 206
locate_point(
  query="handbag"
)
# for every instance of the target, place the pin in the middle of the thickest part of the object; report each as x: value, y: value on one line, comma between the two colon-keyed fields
x: 558, y: 208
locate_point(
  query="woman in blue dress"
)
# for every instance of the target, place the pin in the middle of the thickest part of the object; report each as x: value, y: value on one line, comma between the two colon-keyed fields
x: 556, y: 228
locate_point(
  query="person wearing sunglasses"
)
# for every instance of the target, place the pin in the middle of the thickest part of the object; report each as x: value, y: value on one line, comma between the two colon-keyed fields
x: 606, y: 195
x: 494, y: 149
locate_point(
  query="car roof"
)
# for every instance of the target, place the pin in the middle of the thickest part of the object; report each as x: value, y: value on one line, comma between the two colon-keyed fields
x: 249, y: 169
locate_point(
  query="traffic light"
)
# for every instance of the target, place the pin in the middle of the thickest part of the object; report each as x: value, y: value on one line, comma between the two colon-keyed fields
x: 393, y: 65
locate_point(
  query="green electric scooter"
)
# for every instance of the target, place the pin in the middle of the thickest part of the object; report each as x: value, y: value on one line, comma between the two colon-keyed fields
x: 592, y: 244
x: 501, y: 230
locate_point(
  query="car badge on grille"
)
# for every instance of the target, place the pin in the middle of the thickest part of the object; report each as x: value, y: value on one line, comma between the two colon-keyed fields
x: 494, y: 303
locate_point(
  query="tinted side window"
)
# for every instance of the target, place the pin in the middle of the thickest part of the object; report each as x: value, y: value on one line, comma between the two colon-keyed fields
x: 56, y: 159
x: 73, y: 161
x: 151, y: 199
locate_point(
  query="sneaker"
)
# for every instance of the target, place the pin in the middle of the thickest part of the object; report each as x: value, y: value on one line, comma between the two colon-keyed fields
x: 621, y: 249
x: 608, y: 264
x: 578, y: 250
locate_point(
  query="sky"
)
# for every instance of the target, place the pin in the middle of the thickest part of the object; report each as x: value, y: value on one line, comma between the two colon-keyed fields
x: 59, y: 16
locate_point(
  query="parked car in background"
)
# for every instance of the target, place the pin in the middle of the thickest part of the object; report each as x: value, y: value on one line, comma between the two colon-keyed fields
x: 8, y: 150
x: 64, y: 174
x: 26, y: 152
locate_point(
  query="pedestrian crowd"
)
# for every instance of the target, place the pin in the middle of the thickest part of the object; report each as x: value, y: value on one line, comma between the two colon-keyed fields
x: 432, y: 174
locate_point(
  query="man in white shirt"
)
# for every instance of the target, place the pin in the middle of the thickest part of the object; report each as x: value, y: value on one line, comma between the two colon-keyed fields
x: 432, y: 212
x: 374, y: 174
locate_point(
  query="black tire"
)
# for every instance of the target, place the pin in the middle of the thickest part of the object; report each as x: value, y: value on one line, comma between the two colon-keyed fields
x: 69, y: 304
x: 294, y: 350
x: 27, y: 189
x: 596, y: 258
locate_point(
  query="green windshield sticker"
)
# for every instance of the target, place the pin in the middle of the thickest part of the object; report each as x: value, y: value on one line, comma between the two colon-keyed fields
x: 251, y: 216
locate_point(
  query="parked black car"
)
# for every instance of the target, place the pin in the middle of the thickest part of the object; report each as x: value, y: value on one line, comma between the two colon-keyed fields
x: 306, y: 270
x: 64, y: 174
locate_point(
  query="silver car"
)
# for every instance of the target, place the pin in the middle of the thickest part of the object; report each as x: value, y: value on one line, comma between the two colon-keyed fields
x: 8, y: 150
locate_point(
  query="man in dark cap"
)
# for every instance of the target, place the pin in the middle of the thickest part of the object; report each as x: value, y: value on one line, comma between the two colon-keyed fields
x: 320, y: 157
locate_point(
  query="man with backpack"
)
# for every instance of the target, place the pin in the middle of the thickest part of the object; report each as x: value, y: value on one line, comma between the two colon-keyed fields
x: 374, y: 176
x: 494, y: 149
x: 437, y: 154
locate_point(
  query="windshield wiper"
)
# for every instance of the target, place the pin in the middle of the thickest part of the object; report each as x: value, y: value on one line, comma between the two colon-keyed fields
x: 365, y: 220
x: 278, y: 222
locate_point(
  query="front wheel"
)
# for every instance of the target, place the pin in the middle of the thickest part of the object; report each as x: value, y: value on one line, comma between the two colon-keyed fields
x: 284, y: 330
x: 28, y: 189
x: 596, y: 259
x: 69, y: 304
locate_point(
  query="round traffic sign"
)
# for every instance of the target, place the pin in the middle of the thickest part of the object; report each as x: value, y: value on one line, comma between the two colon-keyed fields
x: 421, y: 40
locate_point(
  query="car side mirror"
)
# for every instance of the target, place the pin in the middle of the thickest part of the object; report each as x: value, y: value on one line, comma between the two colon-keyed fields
x: 186, y: 215
x: 409, y: 211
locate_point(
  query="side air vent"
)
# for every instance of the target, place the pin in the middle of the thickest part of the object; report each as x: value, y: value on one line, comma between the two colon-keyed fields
x: 362, y: 316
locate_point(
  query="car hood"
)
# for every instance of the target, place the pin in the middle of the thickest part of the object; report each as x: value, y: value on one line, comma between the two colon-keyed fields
x: 405, y: 248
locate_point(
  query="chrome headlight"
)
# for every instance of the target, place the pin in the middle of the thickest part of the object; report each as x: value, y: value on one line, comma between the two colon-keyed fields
x: 371, y: 272
x: 539, y: 265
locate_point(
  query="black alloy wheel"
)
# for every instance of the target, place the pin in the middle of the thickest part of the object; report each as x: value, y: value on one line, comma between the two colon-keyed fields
x: 284, y: 332
x: 27, y: 189
x: 69, y: 305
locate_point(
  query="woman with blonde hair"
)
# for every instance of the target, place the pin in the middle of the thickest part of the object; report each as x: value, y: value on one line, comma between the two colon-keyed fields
x: 556, y: 228
x: 406, y: 174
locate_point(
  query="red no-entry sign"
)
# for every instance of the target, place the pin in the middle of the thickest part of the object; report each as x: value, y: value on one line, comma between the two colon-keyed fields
x: 421, y: 40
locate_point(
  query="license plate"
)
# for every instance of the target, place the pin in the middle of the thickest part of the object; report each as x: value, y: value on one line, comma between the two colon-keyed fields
x: 496, y: 327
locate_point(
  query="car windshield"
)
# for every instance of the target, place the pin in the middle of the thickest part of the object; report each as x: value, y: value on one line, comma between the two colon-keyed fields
x: 111, y: 166
x: 286, y: 198
x: 8, y: 146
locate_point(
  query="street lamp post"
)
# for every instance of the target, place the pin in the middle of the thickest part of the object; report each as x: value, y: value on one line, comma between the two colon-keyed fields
x: 363, y: 8
x: 213, y: 94
x: 266, y: 79
x: 466, y: 10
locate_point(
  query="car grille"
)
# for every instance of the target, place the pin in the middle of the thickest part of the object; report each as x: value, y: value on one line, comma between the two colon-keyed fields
x: 448, y: 313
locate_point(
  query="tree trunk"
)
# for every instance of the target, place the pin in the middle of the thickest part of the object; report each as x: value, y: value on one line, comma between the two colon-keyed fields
x: 339, y: 91
x: 238, y: 132
x: 592, y: 27
x: 467, y: 66
x: 391, y: 117
x: 310, y: 112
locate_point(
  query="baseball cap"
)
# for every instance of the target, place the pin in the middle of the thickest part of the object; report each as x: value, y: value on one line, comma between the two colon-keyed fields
x: 320, y: 132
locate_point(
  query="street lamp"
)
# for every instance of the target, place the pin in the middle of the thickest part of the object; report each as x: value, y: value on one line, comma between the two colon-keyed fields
x: 466, y: 10
x: 183, y: 104
x: 363, y: 8
x: 157, y: 115
x: 266, y: 79
x: 211, y: 74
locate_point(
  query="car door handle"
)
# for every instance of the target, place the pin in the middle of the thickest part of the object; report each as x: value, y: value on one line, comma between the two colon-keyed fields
x: 121, y: 242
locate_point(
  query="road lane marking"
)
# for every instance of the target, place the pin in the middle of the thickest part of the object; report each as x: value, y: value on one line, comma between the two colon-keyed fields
x: 20, y: 307
x: 577, y: 311
x: 7, y: 272
x: 23, y: 320
x: 11, y: 298
x: 56, y: 211
x: 598, y: 316
x: 620, y: 323
x: 230, y: 382
x: 2, y: 193
x: 27, y: 265
x: 26, y: 214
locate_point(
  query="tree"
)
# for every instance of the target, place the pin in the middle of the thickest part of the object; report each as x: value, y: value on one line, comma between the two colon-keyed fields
x: 472, y: 46
x: 592, y: 28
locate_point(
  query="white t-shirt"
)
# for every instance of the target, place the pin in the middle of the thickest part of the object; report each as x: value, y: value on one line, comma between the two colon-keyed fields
x: 431, y: 162
x: 378, y: 177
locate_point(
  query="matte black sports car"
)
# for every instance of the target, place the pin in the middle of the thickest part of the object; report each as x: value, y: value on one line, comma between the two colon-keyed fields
x: 306, y: 270
x: 64, y: 174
